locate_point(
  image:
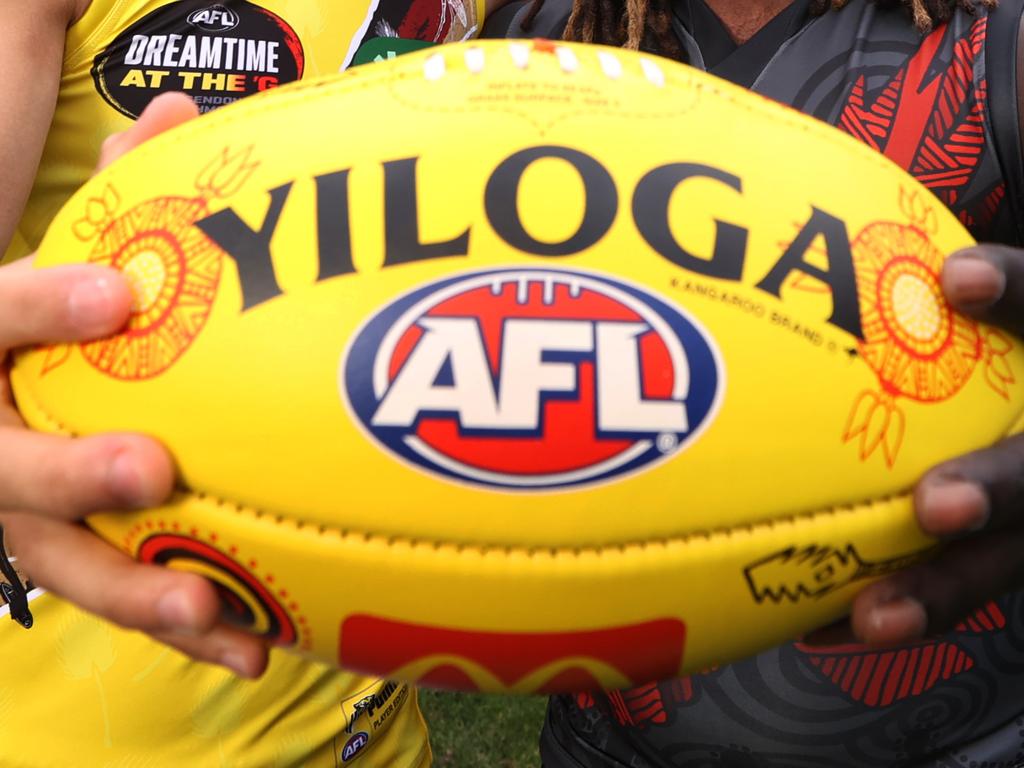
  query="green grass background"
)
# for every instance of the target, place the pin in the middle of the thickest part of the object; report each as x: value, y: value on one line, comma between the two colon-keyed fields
x: 476, y: 731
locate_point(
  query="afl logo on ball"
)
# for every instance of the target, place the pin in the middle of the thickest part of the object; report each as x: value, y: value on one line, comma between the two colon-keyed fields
x: 536, y: 379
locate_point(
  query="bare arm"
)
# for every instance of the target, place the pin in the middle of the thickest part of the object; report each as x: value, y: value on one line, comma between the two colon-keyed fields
x: 47, y: 482
x: 31, y: 53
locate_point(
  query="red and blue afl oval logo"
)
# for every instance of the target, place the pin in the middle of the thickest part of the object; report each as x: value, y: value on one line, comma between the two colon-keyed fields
x: 532, y: 378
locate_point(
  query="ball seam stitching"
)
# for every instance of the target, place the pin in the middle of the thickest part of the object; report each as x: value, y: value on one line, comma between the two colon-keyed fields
x: 278, y: 518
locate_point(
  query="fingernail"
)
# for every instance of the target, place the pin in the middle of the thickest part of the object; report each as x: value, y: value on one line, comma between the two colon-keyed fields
x: 237, y: 663
x: 126, y: 481
x: 177, y: 613
x: 89, y: 303
x: 900, y: 620
x: 973, y: 281
x: 952, y: 508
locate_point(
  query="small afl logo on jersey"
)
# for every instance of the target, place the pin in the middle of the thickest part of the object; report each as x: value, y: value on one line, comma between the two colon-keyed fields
x: 354, y: 746
x: 216, y: 18
x: 535, y: 379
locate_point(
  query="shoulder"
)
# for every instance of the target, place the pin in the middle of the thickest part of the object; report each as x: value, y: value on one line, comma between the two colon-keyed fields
x: 1004, y: 24
x: 49, y: 12
x: 1004, y: 72
x: 41, y: 15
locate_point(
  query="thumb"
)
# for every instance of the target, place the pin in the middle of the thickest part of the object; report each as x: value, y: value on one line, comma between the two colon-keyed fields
x: 166, y: 111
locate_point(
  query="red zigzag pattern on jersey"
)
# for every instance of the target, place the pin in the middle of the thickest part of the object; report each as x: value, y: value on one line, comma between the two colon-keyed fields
x: 933, y: 129
x: 868, y: 677
x: 880, y: 678
x: 872, y: 678
x: 646, y: 705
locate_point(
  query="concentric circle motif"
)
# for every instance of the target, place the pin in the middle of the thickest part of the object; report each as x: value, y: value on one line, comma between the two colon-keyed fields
x: 912, y: 308
x: 913, y: 341
x: 173, y: 269
x: 245, y: 600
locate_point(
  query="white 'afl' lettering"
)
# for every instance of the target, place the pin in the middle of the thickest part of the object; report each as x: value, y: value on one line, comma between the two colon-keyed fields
x: 216, y: 18
x: 532, y: 379
x: 530, y: 369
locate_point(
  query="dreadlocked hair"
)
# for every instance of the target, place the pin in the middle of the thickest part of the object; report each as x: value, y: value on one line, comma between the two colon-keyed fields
x: 646, y: 25
x: 926, y: 13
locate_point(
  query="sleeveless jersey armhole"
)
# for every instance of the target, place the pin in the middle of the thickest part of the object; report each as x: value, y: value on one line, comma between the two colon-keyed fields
x: 1004, y: 66
x: 100, y: 20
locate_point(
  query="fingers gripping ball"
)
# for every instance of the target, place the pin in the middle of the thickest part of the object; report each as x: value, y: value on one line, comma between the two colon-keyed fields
x: 594, y: 378
x: 173, y: 271
x: 248, y: 600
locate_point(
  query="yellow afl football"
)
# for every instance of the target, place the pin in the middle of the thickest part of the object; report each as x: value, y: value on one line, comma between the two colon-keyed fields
x: 525, y: 367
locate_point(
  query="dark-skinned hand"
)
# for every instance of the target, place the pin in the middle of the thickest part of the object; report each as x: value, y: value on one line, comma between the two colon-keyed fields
x: 974, y: 504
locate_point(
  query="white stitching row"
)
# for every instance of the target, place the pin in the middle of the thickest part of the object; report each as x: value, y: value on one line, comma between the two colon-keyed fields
x: 435, y: 66
x: 520, y: 54
x: 475, y: 60
x: 567, y: 59
x: 653, y: 72
x: 611, y: 65
x: 299, y: 95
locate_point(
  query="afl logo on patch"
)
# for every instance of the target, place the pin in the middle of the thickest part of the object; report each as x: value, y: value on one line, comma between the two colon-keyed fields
x: 354, y: 746
x: 536, y: 379
x: 216, y: 18
x: 215, y: 54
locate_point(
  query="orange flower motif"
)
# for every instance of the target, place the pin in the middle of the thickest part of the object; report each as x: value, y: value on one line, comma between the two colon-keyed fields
x: 98, y: 213
x: 997, y: 370
x: 226, y: 174
x: 917, y: 346
x: 876, y: 422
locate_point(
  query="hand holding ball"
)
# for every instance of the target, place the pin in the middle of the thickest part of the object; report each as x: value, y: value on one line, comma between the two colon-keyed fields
x: 525, y: 368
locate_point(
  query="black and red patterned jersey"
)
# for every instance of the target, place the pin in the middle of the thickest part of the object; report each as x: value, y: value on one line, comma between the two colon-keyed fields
x: 951, y: 702
x: 943, y: 106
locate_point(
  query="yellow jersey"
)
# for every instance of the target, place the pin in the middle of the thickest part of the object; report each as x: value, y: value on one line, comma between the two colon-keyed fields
x: 74, y: 690
x: 123, y: 53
